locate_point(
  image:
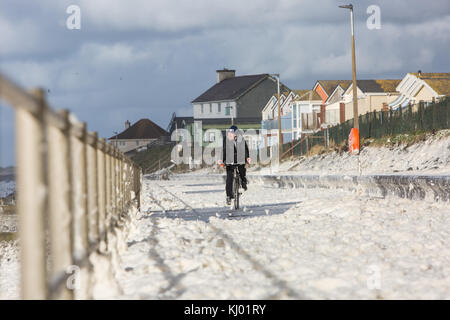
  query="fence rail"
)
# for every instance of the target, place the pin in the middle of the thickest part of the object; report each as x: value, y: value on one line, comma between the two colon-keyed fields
x: 71, y: 187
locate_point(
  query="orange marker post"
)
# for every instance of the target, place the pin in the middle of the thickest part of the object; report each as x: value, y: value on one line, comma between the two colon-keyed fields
x: 353, y: 141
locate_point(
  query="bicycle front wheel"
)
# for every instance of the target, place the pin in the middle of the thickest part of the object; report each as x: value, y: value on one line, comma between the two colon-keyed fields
x: 236, y: 193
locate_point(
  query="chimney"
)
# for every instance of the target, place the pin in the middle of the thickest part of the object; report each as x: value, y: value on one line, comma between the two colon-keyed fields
x: 420, y: 73
x: 225, y: 74
x: 127, y: 124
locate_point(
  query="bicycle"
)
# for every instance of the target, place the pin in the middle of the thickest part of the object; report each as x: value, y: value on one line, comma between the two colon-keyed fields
x: 235, y: 186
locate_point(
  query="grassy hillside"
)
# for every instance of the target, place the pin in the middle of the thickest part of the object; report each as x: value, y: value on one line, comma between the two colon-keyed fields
x: 149, y: 159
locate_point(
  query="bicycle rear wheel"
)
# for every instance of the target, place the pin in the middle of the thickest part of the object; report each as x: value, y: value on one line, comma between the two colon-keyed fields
x: 236, y: 190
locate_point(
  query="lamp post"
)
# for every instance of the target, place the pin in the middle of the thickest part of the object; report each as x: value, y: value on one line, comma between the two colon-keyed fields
x: 116, y: 133
x: 280, y: 137
x: 355, y: 90
x: 231, y: 112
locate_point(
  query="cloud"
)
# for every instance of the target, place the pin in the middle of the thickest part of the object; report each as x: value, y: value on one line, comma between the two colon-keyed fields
x: 139, y: 58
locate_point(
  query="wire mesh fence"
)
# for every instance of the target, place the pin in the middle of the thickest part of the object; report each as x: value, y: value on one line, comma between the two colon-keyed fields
x: 412, y: 118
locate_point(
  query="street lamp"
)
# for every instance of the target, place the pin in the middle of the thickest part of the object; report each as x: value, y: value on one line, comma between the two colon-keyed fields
x: 116, y: 133
x: 355, y: 91
x: 231, y: 112
x: 280, y: 137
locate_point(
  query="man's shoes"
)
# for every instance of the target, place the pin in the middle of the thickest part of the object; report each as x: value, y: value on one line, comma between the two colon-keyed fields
x: 228, y: 200
x: 244, y: 183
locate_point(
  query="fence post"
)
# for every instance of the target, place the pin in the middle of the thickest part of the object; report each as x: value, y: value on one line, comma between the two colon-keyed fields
x: 32, y: 197
x: 92, y: 189
x: 139, y: 187
x: 80, y: 207
x: 420, y: 114
x: 112, y: 214
x: 116, y: 183
x: 327, y: 138
x: 125, y: 182
x: 102, y: 196
x: 61, y: 214
x: 307, y: 146
x: 121, y: 179
x: 108, y: 182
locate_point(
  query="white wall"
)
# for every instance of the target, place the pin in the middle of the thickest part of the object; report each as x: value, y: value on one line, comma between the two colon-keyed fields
x: 211, y: 110
x: 302, y: 107
x: 125, y: 145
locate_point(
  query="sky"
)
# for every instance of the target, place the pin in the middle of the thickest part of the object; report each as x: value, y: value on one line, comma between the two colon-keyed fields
x: 149, y: 58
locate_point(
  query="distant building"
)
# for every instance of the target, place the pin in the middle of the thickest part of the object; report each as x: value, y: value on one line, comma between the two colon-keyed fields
x: 138, y: 135
x: 372, y: 96
x: 270, y: 117
x: 331, y: 91
x: 426, y: 87
x: 305, y: 116
x: 179, y: 123
x: 235, y: 99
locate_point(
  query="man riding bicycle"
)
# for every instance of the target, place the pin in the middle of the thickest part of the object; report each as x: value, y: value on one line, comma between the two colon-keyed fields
x: 235, y: 153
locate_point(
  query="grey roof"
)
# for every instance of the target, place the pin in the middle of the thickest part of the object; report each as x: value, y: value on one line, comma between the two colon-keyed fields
x: 143, y: 129
x: 230, y: 89
x: 177, y: 122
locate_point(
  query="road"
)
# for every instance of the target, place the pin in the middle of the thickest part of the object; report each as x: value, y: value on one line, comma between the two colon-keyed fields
x: 282, y: 244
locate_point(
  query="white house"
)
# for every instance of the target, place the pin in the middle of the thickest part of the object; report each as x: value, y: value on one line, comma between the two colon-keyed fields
x: 372, y: 96
x: 415, y: 87
x: 270, y: 116
x: 305, y: 108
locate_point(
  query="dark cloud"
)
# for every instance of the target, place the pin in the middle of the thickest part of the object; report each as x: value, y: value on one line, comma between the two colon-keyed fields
x: 140, y: 58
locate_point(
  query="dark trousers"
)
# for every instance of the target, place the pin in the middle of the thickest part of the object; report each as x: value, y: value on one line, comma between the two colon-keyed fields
x: 229, y: 184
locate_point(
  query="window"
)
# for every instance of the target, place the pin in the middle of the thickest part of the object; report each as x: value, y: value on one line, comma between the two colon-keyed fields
x: 210, y: 108
x: 201, y: 108
x: 219, y: 107
x: 227, y: 111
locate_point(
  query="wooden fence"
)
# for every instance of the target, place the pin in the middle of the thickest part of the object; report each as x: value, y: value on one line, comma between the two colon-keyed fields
x: 72, y: 187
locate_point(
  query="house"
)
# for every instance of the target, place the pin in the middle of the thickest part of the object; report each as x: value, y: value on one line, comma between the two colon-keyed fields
x: 270, y: 110
x: 416, y: 87
x: 305, y: 113
x: 138, y: 135
x: 179, y: 123
x: 235, y: 100
x: 331, y: 90
x: 270, y: 117
x: 372, y: 95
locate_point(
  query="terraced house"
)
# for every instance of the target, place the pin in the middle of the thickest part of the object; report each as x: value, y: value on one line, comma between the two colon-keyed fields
x: 235, y: 100
x: 426, y: 87
x: 330, y: 102
x: 270, y: 117
x: 372, y: 96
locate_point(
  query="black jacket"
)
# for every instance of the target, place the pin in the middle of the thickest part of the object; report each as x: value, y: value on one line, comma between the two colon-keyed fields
x: 231, y: 148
